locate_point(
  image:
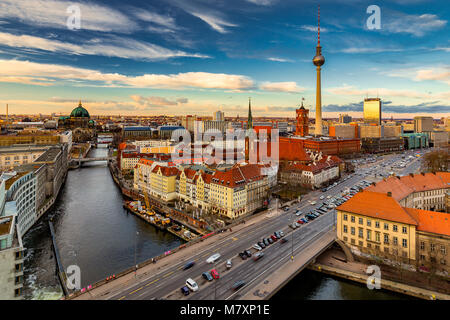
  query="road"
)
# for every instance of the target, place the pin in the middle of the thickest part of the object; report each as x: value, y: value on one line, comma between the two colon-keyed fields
x: 167, y: 282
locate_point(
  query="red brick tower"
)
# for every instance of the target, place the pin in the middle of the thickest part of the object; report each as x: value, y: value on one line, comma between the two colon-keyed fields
x: 302, y: 127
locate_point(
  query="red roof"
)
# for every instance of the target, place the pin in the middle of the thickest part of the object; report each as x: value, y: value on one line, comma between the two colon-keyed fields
x: 431, y: 221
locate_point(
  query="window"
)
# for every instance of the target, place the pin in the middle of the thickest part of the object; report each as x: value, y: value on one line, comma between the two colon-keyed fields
x: 345, y: 229
x: 443, y: 262
x: 443, y: 250
x: 386, y: 250
x: 404, y: 243
x: 377, y: 224
x: 345, y: 239
x: 386, y: 226
x: 352, y: 229
x: 353, y: 241
x: 360, y: 233
x: 368, y: 234
x: 369, y: 224
x: 352, y: 218
x: 377, y: 236
x: 369, y: 245
x: 422, y: 257
x: 394, y: 227
x: 360, y: 221
x: 360, y: 243
x: 422, y: 245
x: 345, y: 217
x: 386, y: 238
x: 432, y: 247
x: 18, y: 292
x: 395, y: 241
x: 404, y: 230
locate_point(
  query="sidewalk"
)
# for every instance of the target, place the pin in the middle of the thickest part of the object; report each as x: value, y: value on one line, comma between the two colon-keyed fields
x: 115, y: 286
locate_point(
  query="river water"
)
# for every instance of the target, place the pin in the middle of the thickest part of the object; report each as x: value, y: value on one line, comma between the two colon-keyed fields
x: 94, y: 232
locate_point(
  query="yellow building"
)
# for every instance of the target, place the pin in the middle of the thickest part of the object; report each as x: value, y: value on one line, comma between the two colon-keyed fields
x: 372, y: 111
x: 374, y: 224
x: 36, y: 139
x: 163, y: 182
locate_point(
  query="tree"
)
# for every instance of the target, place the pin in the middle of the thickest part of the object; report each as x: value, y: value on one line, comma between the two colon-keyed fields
x: 436, y: 161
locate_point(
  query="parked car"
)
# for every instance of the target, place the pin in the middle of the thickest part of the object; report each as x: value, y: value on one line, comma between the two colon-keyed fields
x: 298, y: 213
x: 297, y: 224
x: 188, y: 265
x: 270, y: 240
x: 274, y: 238
x: 266, y: 242
x: 213, y: 258
x: 215, y: 274
x: 248, y: 253
x: 229, y: 264
x: 281, y: 233
x: 322, y: 197
x: 242, y: 255
x: 185, y: 290
x: 284, y: 240
x: 191, y: 284
x: 257, y: 247
x: 238, y: 284
x: 258, y: 256
x: 293, y: 226
x: 300, y: 221
x: 261, y: 244
x: 207, y: 276
x: 277, y: 235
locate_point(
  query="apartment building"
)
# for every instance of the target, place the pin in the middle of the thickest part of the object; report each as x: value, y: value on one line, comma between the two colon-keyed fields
x: 14, y: 156
x: 425, y: 191
x: 374, y: 224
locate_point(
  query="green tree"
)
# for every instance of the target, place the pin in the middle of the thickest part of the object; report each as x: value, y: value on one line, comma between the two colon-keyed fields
x: 436, y: 161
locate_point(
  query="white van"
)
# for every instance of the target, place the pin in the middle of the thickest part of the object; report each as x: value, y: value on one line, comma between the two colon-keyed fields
x: 191, y: 284
x: 213, y: 258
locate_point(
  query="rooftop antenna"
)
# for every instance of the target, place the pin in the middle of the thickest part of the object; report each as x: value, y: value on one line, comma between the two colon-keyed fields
x: 318, y: 30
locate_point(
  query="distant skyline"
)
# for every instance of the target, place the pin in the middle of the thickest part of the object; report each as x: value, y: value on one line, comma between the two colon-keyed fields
x: 195, y: 57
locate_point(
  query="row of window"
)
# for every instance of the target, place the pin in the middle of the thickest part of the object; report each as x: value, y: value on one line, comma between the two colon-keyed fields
x: 442, y: 248
x: 377, y: 223
x: 377, y: 236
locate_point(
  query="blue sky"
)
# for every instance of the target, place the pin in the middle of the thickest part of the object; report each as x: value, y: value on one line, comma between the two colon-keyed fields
x: 195, y: 57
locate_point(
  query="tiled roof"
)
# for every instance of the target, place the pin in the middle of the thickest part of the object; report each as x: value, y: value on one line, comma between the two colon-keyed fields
x: 401, y: 187
x: 237, y: 175
x: 166, y: 171
x: 431, y: 221
x: 377, y: 205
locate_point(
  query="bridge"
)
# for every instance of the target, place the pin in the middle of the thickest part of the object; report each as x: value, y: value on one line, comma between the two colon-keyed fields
x: 77, y: 162
x: 263, y: 278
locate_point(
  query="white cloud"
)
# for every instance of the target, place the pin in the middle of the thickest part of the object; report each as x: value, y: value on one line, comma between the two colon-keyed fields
x: 417, y: 25
x: 262, y: 2
x: 370, y: 50
x: 441, y: 74
x: 279, y: 59
x: 156, y: 102
x: 384, y: 92
x: 214, y: 21
x: 110, y: 47
x: 290, y: 87
x: 313, y: 28
x: 32, y: 71
x: 52, y: 13
x: 166, y: 21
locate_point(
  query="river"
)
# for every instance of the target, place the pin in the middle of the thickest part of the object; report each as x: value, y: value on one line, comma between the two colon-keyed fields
x: 94, y: 232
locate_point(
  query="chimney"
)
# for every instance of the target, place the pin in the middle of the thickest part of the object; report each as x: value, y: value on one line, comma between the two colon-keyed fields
x: 389, y: 194
x: 411, y: 175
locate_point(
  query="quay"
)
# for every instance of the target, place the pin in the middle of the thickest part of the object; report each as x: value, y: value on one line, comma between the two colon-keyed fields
x: 60, y: 268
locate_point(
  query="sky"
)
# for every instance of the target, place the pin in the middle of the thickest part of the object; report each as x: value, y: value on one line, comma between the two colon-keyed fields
x: 179, y: 57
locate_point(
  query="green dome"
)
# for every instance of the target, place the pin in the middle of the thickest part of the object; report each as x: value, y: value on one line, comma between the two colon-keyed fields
x: 79, y: 112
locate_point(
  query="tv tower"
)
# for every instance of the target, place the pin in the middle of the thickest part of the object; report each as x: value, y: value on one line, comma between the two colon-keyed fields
x: 318, y: 61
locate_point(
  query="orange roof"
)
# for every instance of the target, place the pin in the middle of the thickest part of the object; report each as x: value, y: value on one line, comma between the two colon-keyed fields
x: 237, y: 176
x: 166, y: 171
x: 401, y: 187
x: 377, y: 205
x: 431, y: 221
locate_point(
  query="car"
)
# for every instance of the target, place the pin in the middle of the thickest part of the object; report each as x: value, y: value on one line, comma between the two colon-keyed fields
x: 191, y: 284
x: 305, y: 220
x: 229, y: 264
x: 238, y: 284
x: 286, y: 209
x: 270, y: 240
x: 277, y: 235
x: 297, y: 224
x: 185, y: 290
x: 257, y: 247
x: 324, y: 189
x: 213, y: 258
x: 322, y: 197
x: 284, y: 240
x: 188, y: 265
x: 300, y: 221
x: 215, y: 274
x: 281, y: 233
x: 207, y: 276
x: 258, y: 256
x: 242, y: 255
x: 293, y: 226
x: 274, y: 238
x: 247, y: 253
x: 266, y: 242
x: 313, y: 203
x: 298, y: 213
x: 261, y: 244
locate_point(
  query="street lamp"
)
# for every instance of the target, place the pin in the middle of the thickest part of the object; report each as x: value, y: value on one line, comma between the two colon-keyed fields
x: 135, y: 244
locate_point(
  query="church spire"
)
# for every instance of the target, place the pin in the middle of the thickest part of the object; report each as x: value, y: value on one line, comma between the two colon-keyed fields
x: 250, y: 118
